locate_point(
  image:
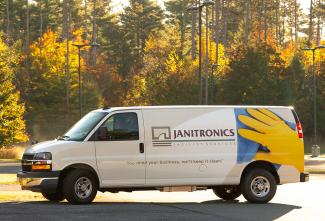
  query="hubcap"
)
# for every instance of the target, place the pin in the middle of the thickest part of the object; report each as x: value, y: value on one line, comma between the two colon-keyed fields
x: 83, y: 187
x: 229, y: 190
x: 260, y: 186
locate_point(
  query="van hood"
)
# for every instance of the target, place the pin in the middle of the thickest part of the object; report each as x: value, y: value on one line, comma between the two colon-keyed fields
x: 46, y: 146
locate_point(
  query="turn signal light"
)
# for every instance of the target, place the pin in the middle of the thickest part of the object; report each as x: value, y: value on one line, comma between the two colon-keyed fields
x: 41, y: 167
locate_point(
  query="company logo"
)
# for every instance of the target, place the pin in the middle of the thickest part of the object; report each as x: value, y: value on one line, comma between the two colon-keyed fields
x: 161, y: 133
x: 161, y: 136
x: 164, y: 136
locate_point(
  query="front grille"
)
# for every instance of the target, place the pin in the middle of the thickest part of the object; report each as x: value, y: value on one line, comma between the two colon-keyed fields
x: 26, y: 163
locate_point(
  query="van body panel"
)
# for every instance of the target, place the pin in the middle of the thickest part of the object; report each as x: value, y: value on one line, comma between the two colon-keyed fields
x: 66, y: 153
x: 120, y: 162
x: 188, y: 145
x: 184, y: 146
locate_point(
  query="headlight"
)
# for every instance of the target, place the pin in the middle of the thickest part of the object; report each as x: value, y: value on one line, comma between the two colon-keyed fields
x: 43, y: 156
x: 42, y: 162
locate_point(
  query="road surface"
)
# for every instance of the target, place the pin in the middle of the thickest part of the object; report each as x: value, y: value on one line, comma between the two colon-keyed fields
x: 300, y: 201
x: 6, y: 168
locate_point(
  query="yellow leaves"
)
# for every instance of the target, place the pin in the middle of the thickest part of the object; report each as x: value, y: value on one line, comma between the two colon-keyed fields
x: 12, y: 124
x: 49, y: 55
x: 136, y: 94
x: 319, y: 55
x: 173, y: 63
x: 222, y: 59
x: 288, y: 52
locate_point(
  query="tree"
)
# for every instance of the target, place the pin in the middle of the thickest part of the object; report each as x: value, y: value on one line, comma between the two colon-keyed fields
x: 139, y: 21
x: 257, y: 75
x: 46, y: 107
x: 179, y: 17
x: 155, y: 84
x: 12, y: 124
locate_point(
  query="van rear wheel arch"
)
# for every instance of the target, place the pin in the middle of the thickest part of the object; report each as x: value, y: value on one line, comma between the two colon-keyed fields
x: 262, y: 165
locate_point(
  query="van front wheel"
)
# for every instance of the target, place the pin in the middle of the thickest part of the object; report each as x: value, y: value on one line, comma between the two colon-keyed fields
x: 80, y: 187
x: 227, y: 192
x: 258, y: 186
x: 53, y: 197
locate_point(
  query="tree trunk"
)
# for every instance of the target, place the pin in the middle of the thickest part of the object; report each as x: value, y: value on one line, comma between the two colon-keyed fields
x: 8, y: 19
x: 216, y: 31
x: 217, y: 26
x: 41, y: 18
x: 212, y: 23
x: 183, y: 29
x: 296, y: 21
x: 86, y: 17
x: 318, y: 23
x: 259, y: 21
x: 277, y: 24
x: 247, y: 21
x: 193, y: 46
x: 27, y: 36
x: 66, y: 34
x: 65, y: 29
x: 264, y: 5
x: 283, y: 23
x: 224, y: 21
x: 311, y: 15
x: 94, y: 34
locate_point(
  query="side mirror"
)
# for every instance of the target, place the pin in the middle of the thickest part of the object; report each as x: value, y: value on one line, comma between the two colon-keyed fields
x: 102, y: 133
x: 33, y: 142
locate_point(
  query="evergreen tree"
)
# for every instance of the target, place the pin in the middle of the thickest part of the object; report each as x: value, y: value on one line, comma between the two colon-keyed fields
x: 139, y: 21
x: 254, y: 77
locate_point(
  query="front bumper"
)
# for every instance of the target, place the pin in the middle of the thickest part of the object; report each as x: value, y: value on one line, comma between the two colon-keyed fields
x: 304, y: 177
x: 39, y: 181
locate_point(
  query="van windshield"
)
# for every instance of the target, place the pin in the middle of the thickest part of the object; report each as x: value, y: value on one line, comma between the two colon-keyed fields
x: 82, y: 128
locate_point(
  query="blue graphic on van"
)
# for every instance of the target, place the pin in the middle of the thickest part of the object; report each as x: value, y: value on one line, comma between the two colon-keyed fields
x: 246, y: 149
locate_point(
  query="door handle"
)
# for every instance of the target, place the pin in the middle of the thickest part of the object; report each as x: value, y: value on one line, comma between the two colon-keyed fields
x: 141, y: 147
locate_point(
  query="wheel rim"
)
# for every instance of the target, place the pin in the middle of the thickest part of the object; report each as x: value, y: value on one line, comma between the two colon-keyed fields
x: 229, y: 190
x: 83, y: 187
x: 260, y: 186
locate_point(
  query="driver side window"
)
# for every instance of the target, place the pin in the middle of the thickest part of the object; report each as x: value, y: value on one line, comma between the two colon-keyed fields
x: 119, y: 127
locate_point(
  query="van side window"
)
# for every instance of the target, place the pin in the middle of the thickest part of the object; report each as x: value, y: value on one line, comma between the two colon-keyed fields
x: 121, y: 126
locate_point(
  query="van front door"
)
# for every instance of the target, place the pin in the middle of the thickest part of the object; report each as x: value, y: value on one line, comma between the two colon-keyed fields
x: 120, y: 151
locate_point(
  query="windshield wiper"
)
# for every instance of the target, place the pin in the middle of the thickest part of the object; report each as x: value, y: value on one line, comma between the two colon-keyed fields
x: 62, y: 137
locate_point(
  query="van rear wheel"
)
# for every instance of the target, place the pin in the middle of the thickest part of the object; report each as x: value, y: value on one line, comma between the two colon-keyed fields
x: 227, y: 192
x: 80, y: 187
x: 258, y: 186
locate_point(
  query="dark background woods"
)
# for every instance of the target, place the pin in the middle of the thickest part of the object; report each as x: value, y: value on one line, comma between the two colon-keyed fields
x: 148, y: 56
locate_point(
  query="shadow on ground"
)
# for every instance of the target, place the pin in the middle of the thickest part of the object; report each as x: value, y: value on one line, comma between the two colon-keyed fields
x: 209, y: 210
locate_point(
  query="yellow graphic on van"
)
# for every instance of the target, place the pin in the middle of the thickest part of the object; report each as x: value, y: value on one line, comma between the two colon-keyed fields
x: 285, y: 147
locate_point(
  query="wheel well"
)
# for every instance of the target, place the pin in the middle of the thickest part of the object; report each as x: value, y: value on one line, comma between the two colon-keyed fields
x: 262, y: 164
x: 78, y: 166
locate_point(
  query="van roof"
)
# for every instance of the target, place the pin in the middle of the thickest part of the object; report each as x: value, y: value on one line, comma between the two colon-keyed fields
x: 187, y: 107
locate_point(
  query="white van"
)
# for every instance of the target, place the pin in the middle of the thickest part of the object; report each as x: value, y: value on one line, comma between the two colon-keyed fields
x: 232, y: 150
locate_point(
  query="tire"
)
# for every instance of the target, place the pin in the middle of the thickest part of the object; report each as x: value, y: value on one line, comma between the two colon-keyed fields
x: 54, y: 197
x: 227, y: 192
x: 258, y: 186
x: 80, y: 187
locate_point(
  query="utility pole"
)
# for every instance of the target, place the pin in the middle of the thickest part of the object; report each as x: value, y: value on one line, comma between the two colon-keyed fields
x: 315, y: 146
x: 199, y: 7
x: 79, y: 46
x: 206, y: 55
x: 66, y: 29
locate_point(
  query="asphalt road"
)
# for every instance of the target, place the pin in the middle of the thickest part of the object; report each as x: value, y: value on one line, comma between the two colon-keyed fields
x: 6, y: 168
x: 300, y: 201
